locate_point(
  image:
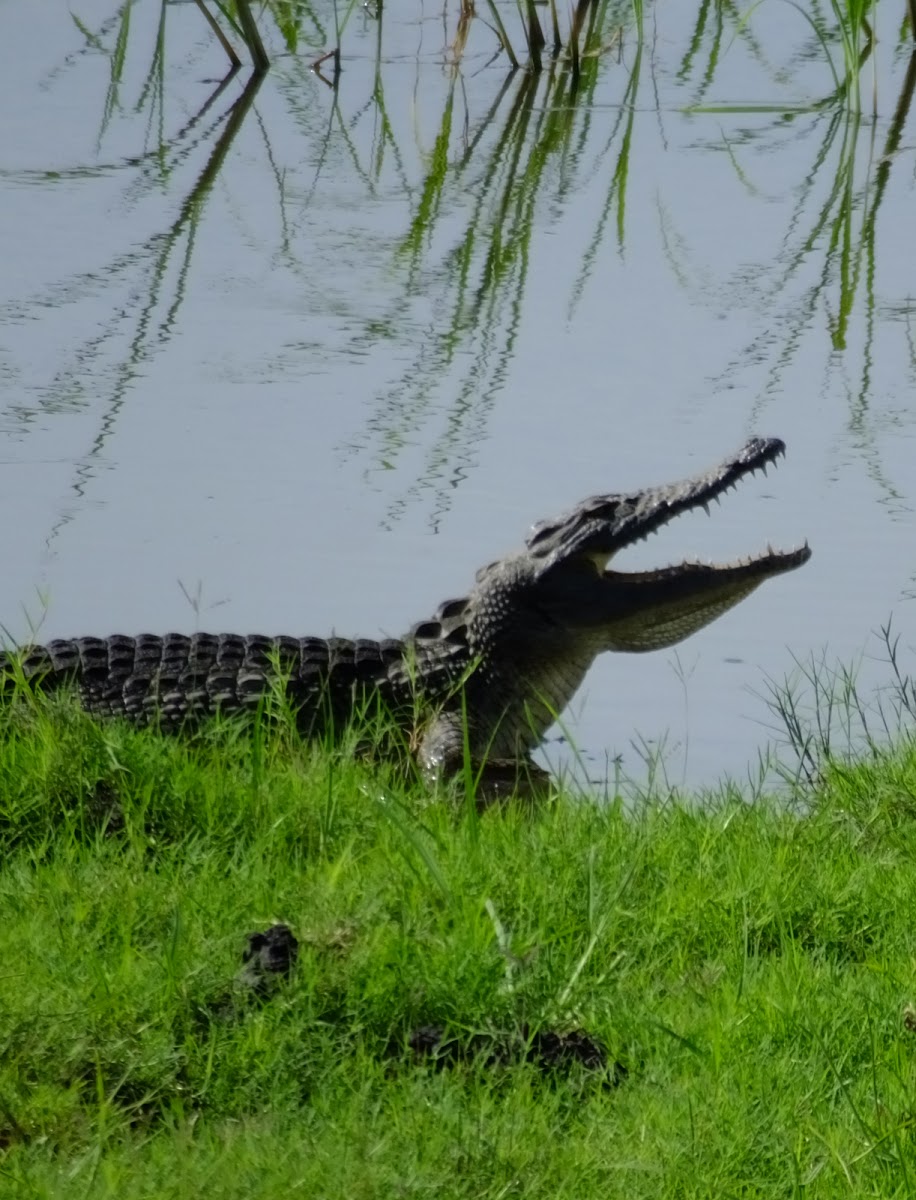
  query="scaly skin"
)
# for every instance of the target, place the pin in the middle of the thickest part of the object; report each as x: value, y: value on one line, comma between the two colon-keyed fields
x: 505, y: 660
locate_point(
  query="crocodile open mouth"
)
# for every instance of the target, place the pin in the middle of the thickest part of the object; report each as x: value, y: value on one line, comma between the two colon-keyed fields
x: 599, y: 528
x: 652, y: 609
x: 654, y: 508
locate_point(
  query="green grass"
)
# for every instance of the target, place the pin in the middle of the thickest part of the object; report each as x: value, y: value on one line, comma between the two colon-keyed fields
x: 752, y: 969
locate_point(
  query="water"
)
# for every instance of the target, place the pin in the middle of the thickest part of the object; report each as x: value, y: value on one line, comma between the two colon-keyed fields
x: 303, y: 364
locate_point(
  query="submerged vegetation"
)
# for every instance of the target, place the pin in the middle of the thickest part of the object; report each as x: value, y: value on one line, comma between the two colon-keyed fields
x: 660, y: 995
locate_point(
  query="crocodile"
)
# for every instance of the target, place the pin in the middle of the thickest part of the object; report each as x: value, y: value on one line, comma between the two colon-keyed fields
x: 485, y: 677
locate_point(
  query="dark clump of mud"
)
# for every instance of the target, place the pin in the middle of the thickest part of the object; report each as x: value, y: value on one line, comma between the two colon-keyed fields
x: 560, y: 1051
x: 549, y: 1051
x: 267, y: 962
x: 268, y: 959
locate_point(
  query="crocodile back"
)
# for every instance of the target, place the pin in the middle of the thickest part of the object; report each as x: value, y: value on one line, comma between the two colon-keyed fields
x: 175, y: 679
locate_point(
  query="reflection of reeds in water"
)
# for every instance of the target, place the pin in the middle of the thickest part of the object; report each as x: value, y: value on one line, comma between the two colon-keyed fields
x: 839, y: 230
x: 245, y: 26
x: 535, y: 138
x: 718, y: 26
x: 537, y: 142
x: 581, y: 24
x: 486, y: 269
x: 845, y: 221
x: 585, y: 15
x: 164, y: 279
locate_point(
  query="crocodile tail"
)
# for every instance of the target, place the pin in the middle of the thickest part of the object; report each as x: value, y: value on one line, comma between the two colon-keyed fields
x: 176, y: 678
x: 117, y: 676
x: 45, y: 666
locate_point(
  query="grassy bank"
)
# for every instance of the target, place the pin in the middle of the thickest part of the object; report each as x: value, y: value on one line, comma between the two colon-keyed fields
x: 744, y: 974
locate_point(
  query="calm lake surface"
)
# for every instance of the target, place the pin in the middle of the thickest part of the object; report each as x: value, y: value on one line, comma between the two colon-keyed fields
x: 297, y: 360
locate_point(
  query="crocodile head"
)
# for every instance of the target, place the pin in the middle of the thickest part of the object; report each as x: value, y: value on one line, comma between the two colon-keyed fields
x: 569, y: 559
